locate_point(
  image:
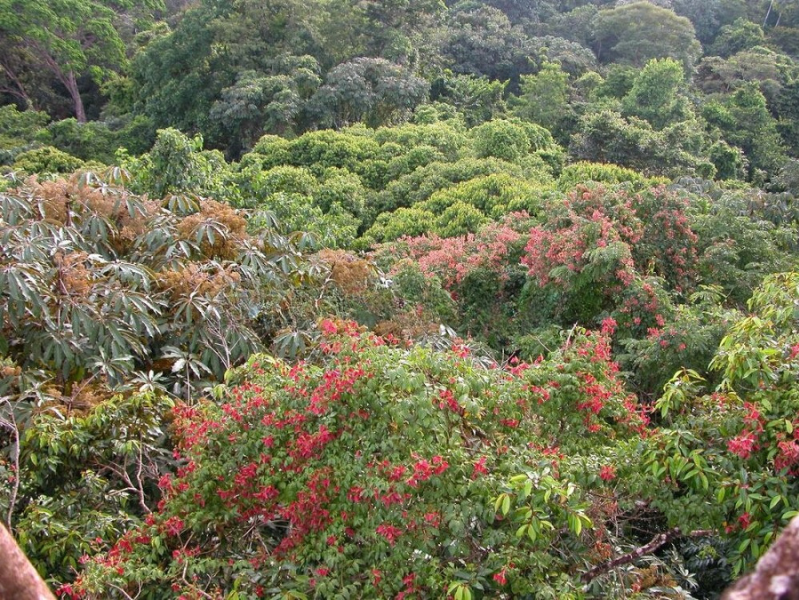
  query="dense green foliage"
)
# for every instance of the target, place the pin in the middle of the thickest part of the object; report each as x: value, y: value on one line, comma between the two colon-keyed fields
x: 392, y: 299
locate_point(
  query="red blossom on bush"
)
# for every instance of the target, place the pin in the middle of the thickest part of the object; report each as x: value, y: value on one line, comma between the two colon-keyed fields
x: 390, y: 532
x: 788, y: 455
x: 743, y: 444
x: 607, y: 473
x: 479, y: 467
x: 608, y: 326
x: 424, y: 470
x: 744, y: 520
x: 452, y: 259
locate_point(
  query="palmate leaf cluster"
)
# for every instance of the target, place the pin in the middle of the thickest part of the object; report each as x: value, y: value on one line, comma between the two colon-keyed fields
x: 99, y: 284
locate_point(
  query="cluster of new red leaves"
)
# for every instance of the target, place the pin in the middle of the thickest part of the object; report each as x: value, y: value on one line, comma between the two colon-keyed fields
x: 379, y: 470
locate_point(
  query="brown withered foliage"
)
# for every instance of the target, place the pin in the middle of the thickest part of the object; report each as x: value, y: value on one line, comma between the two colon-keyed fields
x: 78, y: 398
x: 651, y: 576
x: 192, y: 278
x: 234, y: 226
x: 407, y: 325
x: 353, y: 275
x: 62, y: 198
x: 8, y: 370
x: 73, y: 278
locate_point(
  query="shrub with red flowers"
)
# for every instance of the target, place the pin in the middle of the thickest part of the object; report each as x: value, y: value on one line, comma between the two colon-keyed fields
x: 384, y: 473
x: 674, y: 337
x: 480, y: 271
x: 495, y: 247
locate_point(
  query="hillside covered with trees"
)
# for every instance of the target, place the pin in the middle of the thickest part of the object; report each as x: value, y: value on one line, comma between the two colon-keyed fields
x: 400, y: 298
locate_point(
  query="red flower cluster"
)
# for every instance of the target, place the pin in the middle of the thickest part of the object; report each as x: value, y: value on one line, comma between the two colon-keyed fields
x: 788, y: 455
x: 743, y: 444
x: 452, y: 259
x: 424, y: 470
x: 607, y: 473
x: 479, y: 467
x: 390, y: 532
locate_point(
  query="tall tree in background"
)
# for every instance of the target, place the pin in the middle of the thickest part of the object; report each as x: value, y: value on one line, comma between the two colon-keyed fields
x: 67, y: 38
x: 636, y: 33
x: 544, y: 97
x: 656, y: 94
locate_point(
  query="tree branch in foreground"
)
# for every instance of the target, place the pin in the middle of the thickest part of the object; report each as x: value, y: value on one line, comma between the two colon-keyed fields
x: 656, y: 543
x: 18, y: 579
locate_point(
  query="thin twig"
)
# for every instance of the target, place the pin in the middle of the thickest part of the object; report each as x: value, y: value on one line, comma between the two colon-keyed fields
x: 123, y: 592
x: 12, y: 425
x: 138, y: 477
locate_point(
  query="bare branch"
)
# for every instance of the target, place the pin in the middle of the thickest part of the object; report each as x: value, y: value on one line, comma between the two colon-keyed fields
x: 139, y: 468
x: 656, y: 543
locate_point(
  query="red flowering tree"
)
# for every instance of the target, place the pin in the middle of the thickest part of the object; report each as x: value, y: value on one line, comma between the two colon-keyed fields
x: 594, y: 245
x: 480, y: 271
x: 495, y: 247
x: 395, y: 472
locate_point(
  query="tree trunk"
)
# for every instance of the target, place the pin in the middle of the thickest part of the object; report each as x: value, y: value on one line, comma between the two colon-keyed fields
x: 18, y: 579
x: 77, y: 101
x: 776, y: 576
x: 68, y: 79
x: 768, y: 13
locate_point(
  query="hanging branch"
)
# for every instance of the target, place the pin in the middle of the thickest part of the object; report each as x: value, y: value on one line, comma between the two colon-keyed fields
x: 656, y: 543
x: 11, y: 425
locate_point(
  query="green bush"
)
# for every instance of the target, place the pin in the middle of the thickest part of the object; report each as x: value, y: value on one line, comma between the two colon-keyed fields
x: 46, y: 160
x: 92, y: 141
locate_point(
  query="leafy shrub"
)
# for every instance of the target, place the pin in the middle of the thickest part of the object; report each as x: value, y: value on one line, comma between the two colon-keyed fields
x: 501, y: 139
x: 445, y: 137
x: 87, y: 471
x: 295, y: 213
x: 459, y: 218
x: 318, y: 150
x: 402, y: 222
x: 177, y: 164
x: 681, y: 337
x: 342, y: 189
x: 92, y: 141
x: 738, y: 245
x: 46, y: 160
x: 493, y: 195
x: 423, y: 182
x: 511, y: 141
x: 135, y: 286
x: 18, y: 131
x: 745, y: 433
x: 609, y: 174
x: 286, y: 179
